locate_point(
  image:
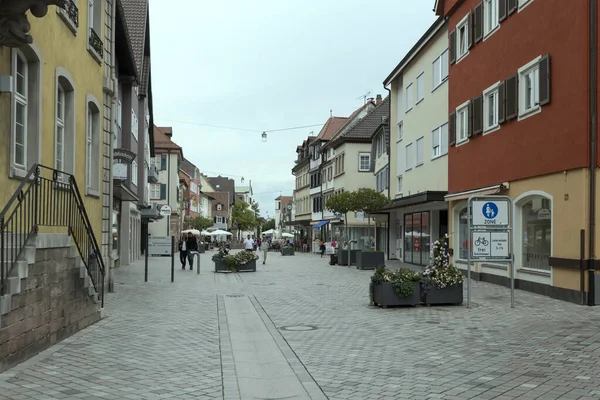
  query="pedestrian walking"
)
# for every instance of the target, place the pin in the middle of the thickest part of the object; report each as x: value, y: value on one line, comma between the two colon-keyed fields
x: 191, y: 245
x: 249, y: 244
x: 322, y: 247
x: 264, y: 247
x: 183, y: 251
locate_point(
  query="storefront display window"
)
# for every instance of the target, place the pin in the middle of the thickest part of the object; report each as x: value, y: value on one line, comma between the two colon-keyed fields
x: 536, y: 225
x: 417, y: 238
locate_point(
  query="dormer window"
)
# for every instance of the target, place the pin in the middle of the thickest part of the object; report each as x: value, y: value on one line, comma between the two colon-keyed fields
x: 219, y: 207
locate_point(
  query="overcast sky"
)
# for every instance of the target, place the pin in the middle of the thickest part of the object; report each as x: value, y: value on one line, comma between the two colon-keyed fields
x: 270, y: 64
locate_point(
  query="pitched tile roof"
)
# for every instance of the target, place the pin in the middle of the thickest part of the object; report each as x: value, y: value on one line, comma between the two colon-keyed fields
x: 188, y: 167
x: 332, y: 125
x: 136, y: 15
x: 351, y: 121
x: 162, y: 142
x: 365, y: 128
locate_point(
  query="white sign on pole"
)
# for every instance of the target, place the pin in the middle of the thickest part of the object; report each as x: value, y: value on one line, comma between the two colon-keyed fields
x: 165, y: 210
x: 159, y: 245
x: 490, y: 213
x: 490, y: 246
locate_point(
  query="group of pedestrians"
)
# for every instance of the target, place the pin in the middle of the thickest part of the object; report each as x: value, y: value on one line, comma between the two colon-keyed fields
x: 188, y: 247
x: 262, y: 244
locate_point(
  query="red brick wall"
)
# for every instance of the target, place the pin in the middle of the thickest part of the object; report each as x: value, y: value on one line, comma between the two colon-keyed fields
x: 555, y: 139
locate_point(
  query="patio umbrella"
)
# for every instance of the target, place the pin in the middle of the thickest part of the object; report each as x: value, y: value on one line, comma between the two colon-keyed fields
x: 194, y: 232
x: 219, y: 232
x: 287, y: 235
x: 205, y: 233
x: 269, y: 232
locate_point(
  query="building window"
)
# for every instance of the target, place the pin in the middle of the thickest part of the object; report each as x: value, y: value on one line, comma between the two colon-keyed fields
x: 399, y: 184
x: 490, y: 108
x: 409, y: 97
x: 462, y: 124
x: 64, y: 137
x: 409, y: 157
x: 462, y: 37
x: 92, y: 147
x: 439, y: 141
x: 59, y: 145
x: 420, y: 87
x: 420, y: 151
x: 523, y: 3
x: 535, y: 213
x: 463, y: 234
x: 364, y: 162
x: 381, y: 181
x: 400, y: 130
x: 219, y: 207
x: 440, y: 70
x: 134, y: 172
x: 417, y: 238
x: 94, y: 43
x: 399, y: 158
x: 534, y: 85
x: 20, y: 121
x: 155, y: 191
x: 490, y: 16
x: 380, y: 144
x: 134, y: 124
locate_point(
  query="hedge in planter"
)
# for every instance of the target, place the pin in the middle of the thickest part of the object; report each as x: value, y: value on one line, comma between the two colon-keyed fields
x: 368, y: 259
x: 244, y: 261
x: 395, y: 288
x: 442, y: 282
x: 287, y: 251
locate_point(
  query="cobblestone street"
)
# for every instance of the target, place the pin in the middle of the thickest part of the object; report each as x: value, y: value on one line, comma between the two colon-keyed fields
x: 182, y: 340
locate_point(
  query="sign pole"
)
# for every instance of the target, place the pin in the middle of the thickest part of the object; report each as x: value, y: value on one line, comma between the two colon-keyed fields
x: 172, y: 259
x: 146, y: 259
x: 511, y: 245
x: 469, y: 247
x: 198, y: 263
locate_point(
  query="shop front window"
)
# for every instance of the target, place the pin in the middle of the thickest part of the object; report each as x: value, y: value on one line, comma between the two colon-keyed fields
x: 536, y: 228
x: 417, y: 238
x: 463, y: 235
x: 115, y: 234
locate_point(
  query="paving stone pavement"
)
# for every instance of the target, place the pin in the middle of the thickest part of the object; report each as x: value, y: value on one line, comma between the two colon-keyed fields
x: 161, y: 340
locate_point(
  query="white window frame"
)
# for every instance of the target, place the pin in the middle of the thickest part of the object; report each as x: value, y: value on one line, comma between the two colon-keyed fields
x: 439, y: 72
x: 439, y: 134
x: 420, y: 90
x: 89, y: 134
x: 491, y: 22
x: 409, y: 97
x: 399, y: 183
x: 360, y: 159
x: 492, y: 91
x: 134, y: 124
x: 92, y: 154
x: 400, y: 167
x: 219, y: 207
x: 408, y: 159
x: 59, y: 139
x: 94, y: 21
x: 22, y: 100
x: 400, y: 130
x: 155, y: 191
x: 134, y: 172
x: 460, y: 123
x: 420, y: 151
x: 464, y: 23
x: 533, y: 67
x: 524, y: 3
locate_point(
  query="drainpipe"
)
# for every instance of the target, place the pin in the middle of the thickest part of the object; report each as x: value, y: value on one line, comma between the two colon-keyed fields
x: 593, y: 71
x: 115, y: 85
x: 389, y: 153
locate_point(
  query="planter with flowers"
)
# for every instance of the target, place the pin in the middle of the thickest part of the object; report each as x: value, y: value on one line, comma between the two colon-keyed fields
x: 244, y: 261
x: 442, y: 282
x: 395, y: 288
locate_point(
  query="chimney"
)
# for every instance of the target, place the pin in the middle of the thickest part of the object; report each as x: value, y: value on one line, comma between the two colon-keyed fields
x: 379, y: 100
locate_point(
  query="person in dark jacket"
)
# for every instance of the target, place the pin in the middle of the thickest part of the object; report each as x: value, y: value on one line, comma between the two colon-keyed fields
x: 183, y: 250
x: 192, y: 246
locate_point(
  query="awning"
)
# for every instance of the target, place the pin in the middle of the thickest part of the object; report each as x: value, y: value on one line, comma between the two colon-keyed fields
x: 298, y: 222
x: 485, y: 191
x: 320, y: 224
x: 413, y: 200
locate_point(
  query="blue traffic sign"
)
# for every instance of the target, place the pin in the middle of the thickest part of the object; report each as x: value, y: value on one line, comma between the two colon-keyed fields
x: 489, y: 210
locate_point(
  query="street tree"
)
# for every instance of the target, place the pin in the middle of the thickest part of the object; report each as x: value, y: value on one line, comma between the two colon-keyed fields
x: 269, y: 224
x: 201, y: 223
x: 242, y: 216
x: 344, y: 203
x: 369, y: 201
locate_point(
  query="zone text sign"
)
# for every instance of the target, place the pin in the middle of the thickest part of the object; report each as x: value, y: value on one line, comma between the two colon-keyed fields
x: 490, y: 213
x: 159, y: 245
x: 490, y: 245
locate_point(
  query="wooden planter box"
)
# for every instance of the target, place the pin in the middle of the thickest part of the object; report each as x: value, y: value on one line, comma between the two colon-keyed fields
x: 370, y: 259
x: 384, y: 296
x: 448, y: 295
x: 343, y: 256
x: 287, y: 251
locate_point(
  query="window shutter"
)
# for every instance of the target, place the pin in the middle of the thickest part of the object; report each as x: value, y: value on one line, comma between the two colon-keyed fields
x: 452, y: 129
x: 512, y: 6
x: 478, y: 115
x: 470, y: 23
x: 502, y: 10
x: 545, y: 80
x: 470, y: 119
x: 163, y: 191
x: 501, y: 100
x: 453, y: 47
x: 163, y: 162
x: 215, y: 220
x: 511, y: 87
x: 478, y: 22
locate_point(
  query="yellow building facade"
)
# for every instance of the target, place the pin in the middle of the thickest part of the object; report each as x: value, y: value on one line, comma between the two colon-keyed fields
x: 53, y: 115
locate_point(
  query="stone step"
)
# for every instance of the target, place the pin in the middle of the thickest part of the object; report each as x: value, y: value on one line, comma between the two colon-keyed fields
x: 27, y: 253
x: 19, y: 270
x: 13, y: 285
x: 13, y: 239
x: 5, y: 304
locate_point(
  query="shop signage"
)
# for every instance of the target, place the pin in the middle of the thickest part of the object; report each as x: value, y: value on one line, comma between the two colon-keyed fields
x: 159, y: 245
x: 165, y: 210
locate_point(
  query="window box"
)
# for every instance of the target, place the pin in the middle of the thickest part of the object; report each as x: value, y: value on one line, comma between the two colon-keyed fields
x: 370, y: 259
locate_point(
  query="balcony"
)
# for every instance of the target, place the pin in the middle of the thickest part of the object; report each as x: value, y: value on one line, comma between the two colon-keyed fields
x: 96, y: 47
x: 152, y: 174
x: 69, y: 13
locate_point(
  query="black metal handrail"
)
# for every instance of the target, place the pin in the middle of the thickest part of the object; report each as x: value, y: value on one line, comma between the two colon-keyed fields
x: 48, y: 197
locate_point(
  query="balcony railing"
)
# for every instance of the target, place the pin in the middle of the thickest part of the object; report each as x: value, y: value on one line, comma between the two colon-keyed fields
x: 70, y: 13
x: 96, y: 43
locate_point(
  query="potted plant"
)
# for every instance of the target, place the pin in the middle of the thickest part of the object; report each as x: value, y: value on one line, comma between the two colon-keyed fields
x: 395, y: 288
x: 244, y: 261
x: 219, y: 259
x: 370, y: 259
x: 442, y: 282
x: 287, y: 251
